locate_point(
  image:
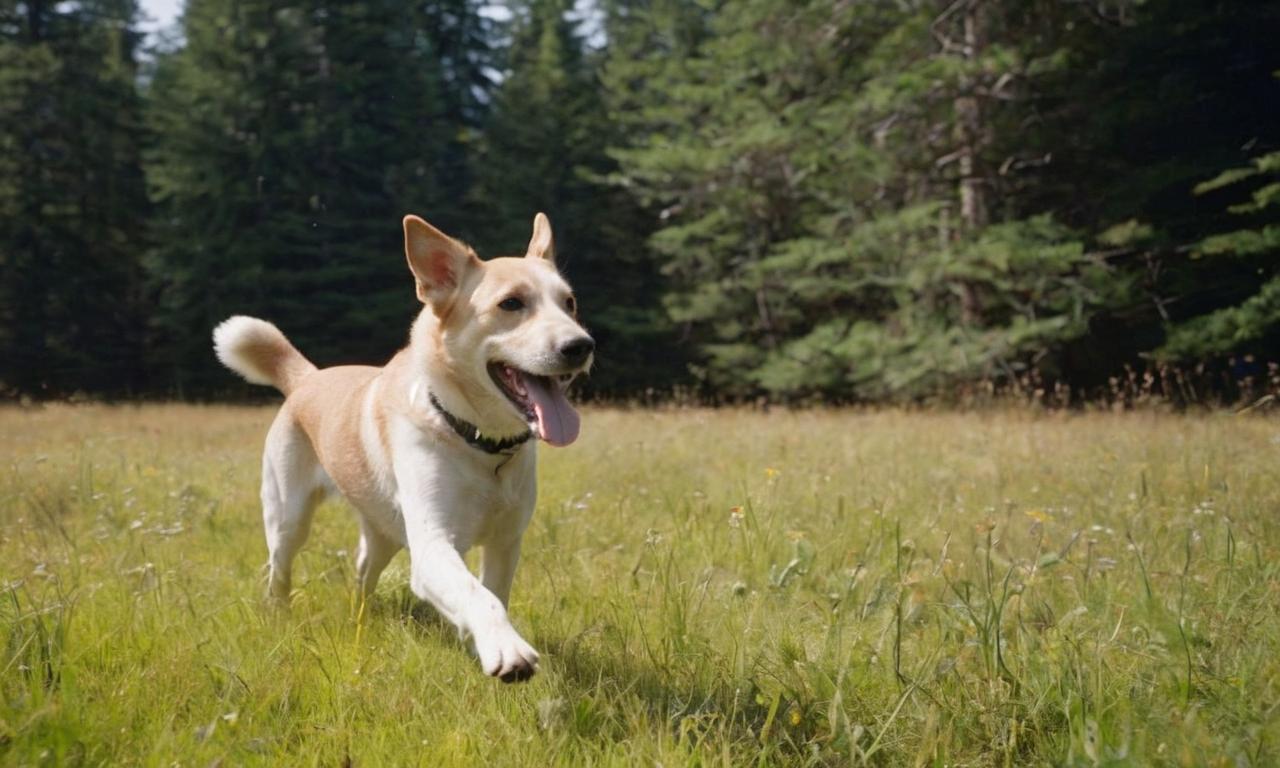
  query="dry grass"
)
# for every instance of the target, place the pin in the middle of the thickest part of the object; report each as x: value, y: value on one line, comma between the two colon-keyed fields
x: 727, y: 588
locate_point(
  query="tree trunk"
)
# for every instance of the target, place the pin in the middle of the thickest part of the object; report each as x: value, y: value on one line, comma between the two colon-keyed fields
x: 970, y: 129
x: 971, y: 135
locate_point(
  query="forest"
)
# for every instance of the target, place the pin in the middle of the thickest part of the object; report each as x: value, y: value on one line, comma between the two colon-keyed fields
x: 760, y: 200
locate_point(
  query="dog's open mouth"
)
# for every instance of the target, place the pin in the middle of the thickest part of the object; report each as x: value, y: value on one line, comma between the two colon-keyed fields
x: 541, y: 400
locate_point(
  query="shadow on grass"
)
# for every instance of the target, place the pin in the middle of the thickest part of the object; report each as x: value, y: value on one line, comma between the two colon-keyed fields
x: 578, y: 670
x: 604, y: 694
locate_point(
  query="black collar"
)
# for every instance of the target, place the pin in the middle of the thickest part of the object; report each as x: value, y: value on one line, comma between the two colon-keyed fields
x: 471, y: 433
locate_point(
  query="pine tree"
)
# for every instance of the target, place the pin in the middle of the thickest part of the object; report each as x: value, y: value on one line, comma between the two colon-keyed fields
x: 72, y: 201
x: 541, y: 142
x: 1253, y: 324
x: 463, y: 41
x: 829, y: 171
x: 545, y: 149
x: 1159, y: 96
x: 293, y: 137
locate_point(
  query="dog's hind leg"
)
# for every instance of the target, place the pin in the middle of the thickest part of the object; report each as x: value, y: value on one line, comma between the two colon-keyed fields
x: 291, y: 489
x: 374, y: 552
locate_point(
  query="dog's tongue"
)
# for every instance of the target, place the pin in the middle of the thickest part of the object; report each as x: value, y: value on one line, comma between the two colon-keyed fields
x: 558, y: 423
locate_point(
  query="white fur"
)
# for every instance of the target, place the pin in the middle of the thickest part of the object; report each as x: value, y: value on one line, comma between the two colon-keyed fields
x: 436, y: 498
x: 235, y: 335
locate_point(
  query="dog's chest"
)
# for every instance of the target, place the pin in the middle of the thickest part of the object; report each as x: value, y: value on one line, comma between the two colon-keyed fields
x: 489, y: 504
x: 447, y: 485
x: 485, y: 495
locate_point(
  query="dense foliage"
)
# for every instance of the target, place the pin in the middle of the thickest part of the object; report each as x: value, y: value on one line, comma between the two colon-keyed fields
x: 73, y: 204
x: 800, y: 199
x: 287, y: 139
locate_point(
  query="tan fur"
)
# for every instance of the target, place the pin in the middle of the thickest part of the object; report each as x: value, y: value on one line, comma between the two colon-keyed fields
x: 327, y: 407
x: 258, y: 351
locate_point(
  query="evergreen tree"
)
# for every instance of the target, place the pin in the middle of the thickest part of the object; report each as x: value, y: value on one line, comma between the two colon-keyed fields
x: 539, y: 138
x: 463, y: 42
x: 72, y: 201
x: 1151, y: 99
x: 545, y: 149
x: 1253, y: 324
x: 293, y: 137
x: 833, y: 222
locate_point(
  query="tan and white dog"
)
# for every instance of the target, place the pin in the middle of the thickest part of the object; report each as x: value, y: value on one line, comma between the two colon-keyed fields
x: 434, y: 449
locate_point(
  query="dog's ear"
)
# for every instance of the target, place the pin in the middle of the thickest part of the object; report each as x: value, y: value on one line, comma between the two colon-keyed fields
x: 541, y: 245
x: 438, y: 261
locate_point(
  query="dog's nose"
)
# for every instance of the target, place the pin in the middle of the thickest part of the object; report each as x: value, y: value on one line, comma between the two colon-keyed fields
x: 578, y: 350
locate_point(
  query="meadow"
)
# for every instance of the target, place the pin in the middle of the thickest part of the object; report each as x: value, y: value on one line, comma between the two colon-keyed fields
x: 1003, y: 587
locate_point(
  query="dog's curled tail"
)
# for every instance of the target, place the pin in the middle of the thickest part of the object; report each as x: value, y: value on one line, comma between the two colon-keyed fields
x: 259, y: 352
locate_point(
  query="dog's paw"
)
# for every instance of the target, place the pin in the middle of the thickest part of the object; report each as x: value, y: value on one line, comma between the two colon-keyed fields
x: 506, y: 656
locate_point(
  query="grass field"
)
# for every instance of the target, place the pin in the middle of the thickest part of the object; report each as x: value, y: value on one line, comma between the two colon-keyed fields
x: 706, y: 588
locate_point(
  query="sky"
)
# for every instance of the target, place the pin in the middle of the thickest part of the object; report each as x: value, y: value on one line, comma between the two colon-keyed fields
x: 161, y: 13
x: 158, y: 14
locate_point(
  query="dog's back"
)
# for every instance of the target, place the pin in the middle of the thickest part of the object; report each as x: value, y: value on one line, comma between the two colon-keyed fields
x: 331, y: 409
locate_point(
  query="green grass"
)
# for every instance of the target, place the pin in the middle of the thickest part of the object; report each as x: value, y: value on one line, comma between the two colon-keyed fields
x: 706, y: 588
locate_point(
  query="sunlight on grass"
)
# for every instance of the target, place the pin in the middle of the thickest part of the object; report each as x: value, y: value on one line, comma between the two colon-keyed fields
x: 726, y: 588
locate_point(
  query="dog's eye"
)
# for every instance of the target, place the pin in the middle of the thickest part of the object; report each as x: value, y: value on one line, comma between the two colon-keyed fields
x: 511, y: 304
x: 571, y: 305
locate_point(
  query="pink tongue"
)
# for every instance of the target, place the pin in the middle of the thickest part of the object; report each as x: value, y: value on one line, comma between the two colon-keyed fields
x: 558, y: 423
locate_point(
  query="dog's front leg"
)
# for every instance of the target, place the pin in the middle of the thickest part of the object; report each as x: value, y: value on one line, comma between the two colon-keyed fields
x: 440, y: 576
x: 498, y: 567
x: 439, y: 528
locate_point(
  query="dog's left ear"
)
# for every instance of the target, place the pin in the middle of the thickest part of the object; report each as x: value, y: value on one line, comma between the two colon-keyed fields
x: 541, y: 246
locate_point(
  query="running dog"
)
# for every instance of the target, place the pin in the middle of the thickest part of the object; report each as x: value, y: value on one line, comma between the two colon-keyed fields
x: 436, y: 450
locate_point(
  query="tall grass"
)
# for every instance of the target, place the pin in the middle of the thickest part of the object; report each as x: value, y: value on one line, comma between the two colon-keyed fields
x: 706, y: 588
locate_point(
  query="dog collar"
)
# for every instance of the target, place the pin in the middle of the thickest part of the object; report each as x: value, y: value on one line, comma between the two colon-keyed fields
x: 471, y: 433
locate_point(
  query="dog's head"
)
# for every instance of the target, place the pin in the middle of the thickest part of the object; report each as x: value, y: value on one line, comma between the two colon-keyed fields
x: 505, y: 331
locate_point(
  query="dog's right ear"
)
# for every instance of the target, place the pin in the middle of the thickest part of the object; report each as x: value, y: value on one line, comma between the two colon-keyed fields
x: 437, y: 261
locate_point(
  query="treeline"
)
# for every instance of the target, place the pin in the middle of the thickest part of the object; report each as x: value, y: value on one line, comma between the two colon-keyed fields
x: 796, y: 199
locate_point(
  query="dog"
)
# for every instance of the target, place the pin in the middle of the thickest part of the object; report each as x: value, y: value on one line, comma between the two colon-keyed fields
x: 436, y: 450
